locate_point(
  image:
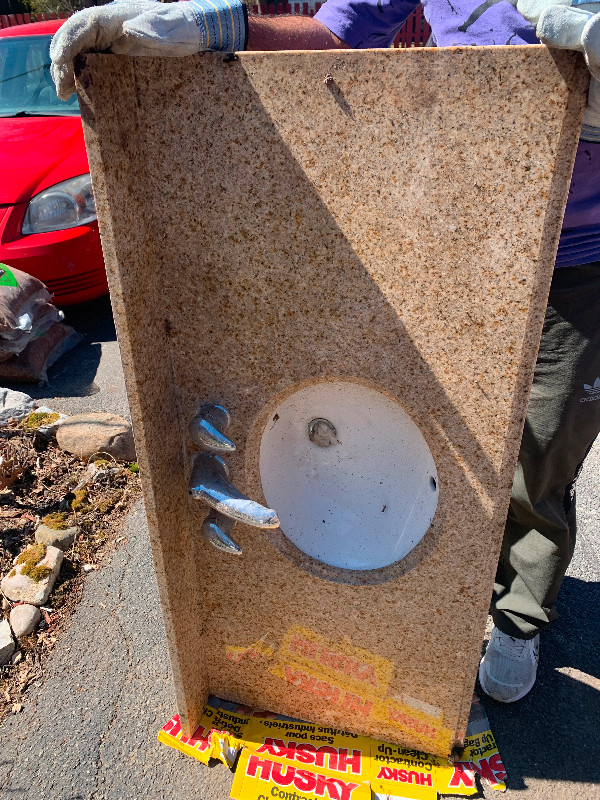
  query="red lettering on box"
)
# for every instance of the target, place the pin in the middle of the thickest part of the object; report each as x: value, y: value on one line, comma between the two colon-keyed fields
x: 462, y: 775
x: 255, y: 764
x: 402, y: 776
x: 173, y: 726
x: 280, y: 777
x: 275, y: 747
x: 199, y: 740
x: 498, y: 767
x: 305, y: 753
x: 349, y: 763
x: 483, y: 768
x: 305, y: 781
x: 333, y: 757
x: 308, y: 753
x: 336, y: 788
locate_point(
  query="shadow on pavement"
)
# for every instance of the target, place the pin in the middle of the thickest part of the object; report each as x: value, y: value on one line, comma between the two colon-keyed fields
x: 73, y: 374
x: 93, y: 318
x: 552, y: 734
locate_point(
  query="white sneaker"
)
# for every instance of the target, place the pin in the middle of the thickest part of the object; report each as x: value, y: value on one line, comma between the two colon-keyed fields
x: 509, y: 667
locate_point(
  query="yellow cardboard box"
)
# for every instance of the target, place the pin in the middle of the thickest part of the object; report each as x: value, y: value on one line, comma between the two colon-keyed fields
x: 285, y: 759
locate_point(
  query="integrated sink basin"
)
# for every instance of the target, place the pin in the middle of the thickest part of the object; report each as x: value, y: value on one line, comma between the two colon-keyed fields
x: 350, y: 474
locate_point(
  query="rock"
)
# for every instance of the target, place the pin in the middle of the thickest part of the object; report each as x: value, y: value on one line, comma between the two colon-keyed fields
x: 85, y: 435
x: 23, y: 619
x: 6, y: 606
x: 7, y: 643
x: 17, y: 586
x: 65, y: 502
x: 49, y: 425
x: 95, y: 472
x: 53, y: 537
x: 14, y: 404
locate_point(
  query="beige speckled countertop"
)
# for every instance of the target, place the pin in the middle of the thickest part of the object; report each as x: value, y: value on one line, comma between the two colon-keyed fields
x: 266, y: 228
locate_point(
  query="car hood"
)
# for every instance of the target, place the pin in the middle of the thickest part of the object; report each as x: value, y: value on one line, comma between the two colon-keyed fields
x: 37, y: 152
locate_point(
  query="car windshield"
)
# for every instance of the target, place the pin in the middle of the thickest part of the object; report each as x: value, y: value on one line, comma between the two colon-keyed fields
x: 26, y: 88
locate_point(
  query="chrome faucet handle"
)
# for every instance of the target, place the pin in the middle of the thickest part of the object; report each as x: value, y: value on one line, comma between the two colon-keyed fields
x: 208, y: 427
x: 210, y: 482
x: 217, y: 530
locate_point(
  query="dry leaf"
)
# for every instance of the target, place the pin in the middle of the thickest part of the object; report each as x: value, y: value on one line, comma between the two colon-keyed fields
x: 9, y: 473
x: 9, y: 514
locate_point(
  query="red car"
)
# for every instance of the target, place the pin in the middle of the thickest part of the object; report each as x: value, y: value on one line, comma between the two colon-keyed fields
x: 48, y: 224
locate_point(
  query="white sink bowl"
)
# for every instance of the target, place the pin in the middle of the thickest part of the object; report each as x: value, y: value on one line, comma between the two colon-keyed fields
x: 365, y: 500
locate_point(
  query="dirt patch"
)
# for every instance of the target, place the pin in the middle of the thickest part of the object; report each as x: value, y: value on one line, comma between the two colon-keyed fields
x: 37, y: 479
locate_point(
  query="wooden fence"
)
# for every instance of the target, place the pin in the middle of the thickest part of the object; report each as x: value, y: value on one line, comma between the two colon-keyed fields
x: 8, y: 20
x: 414, y: 33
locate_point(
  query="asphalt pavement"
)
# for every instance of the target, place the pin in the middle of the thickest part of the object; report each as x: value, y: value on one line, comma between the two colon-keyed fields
x: 88, y: 731
x: 89, y: 377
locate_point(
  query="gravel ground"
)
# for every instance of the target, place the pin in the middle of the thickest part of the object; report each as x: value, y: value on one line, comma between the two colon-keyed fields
x: 89, y: 731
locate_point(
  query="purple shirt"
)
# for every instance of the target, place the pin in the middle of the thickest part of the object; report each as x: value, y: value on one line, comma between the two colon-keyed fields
x: 375, y: 23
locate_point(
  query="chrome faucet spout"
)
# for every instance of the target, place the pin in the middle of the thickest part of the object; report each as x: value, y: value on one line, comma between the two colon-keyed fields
x: 210, y: 482
x: 217, y: 530
x: 208, y: 427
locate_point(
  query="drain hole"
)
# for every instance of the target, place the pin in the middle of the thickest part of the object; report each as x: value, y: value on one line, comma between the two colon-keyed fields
x: 433, y: 483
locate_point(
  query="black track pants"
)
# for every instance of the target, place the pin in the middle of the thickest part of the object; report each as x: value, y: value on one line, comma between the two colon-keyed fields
x: 563, y: 419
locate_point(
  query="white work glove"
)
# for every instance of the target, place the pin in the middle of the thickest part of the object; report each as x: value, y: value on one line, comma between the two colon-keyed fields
x: 568, y: 24
x: 146, y: 28
x: 572, y: 25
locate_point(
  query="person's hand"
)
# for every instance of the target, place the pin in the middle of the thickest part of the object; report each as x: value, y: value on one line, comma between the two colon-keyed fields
x: 567, y: 24
x: 572, y: 25
x: 146, y: 28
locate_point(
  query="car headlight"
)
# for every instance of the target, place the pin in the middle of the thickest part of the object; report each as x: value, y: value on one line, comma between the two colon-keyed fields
x: 64, y: 205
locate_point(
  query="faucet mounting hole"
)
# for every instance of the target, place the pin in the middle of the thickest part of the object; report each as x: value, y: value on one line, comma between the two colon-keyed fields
x: 322, y: 432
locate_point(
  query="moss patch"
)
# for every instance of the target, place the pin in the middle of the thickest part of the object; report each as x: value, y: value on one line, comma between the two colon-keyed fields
x: 38, y: 418
x: 134, y: 467
x: 56, y: 521
x: 30, y: 559
x: 80, y: 503
x: 107, y: 501
x: 38, y: 573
